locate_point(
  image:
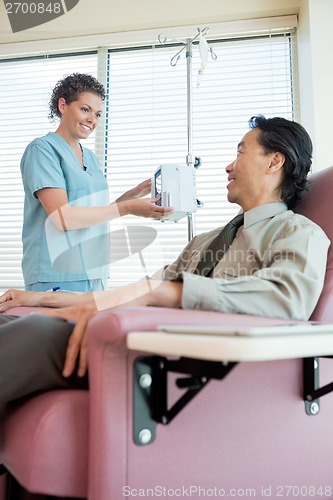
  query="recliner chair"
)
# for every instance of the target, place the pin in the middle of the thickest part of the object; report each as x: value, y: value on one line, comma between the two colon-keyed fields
x: 248, y: 431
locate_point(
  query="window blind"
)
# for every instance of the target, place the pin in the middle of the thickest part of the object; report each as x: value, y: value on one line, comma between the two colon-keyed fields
x: 145, y: 125
x: 25, y: 90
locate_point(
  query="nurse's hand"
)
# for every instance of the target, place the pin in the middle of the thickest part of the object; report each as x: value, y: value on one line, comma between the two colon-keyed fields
x: 145, y: 207
x: 138, y: 191
x: 141, y: 189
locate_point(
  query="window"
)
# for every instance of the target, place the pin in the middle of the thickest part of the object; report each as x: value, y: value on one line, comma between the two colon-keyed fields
x: 145, y: 126
x: 24, y: 95
x: 147, y: 123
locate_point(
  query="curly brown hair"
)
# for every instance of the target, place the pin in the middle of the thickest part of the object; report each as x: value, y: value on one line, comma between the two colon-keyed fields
x: 70, y: 87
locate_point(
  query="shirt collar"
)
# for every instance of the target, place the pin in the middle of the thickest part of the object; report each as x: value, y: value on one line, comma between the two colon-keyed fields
x: 262, y: 212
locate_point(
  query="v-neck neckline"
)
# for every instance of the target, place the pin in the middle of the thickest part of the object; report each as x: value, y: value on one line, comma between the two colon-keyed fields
x: 82, y: 166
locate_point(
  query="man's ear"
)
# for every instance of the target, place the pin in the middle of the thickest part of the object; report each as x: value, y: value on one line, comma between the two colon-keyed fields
x: 277, y: 162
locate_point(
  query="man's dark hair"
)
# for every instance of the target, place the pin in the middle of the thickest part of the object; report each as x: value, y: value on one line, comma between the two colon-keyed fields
x: 290, y: 138
x: 70, y: 88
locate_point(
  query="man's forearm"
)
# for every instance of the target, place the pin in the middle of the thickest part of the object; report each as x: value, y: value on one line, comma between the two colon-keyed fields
x: 63, y: 299
x: 146, y: 292
x: 166, y: 294
x: 17, y: 298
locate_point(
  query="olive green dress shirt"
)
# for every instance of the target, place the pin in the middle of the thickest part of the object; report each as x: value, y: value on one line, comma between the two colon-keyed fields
x: 274, y: 267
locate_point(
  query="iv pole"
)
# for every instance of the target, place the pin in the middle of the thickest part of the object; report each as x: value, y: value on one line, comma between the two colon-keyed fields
x: 163, y: 39
x: 189, y: 157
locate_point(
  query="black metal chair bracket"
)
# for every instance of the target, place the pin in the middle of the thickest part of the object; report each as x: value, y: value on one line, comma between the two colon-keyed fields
x: 311, y: 390
x: 151, y: 389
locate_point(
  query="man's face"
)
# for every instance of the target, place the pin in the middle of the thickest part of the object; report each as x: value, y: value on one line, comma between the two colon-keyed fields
x: 247, y: 175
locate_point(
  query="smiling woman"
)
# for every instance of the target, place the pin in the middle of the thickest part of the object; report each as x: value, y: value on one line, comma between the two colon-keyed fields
x: 67, y: 206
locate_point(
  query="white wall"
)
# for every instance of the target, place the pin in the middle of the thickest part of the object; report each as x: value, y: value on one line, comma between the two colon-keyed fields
x: 315, y: 46
x: 105, y: 16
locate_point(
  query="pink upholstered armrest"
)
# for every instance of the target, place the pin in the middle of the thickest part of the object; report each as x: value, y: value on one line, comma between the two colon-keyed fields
x: 112, y: 325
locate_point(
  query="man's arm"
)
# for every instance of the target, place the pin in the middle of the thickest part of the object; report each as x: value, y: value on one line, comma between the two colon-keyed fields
x: 146, y: 292
x: 286, y: 283
x: 17, y: 298
x: 83, y: 307
x: 142, y: 293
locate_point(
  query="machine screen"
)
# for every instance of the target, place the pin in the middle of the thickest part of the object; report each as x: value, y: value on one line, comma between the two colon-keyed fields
x: 158, y: 185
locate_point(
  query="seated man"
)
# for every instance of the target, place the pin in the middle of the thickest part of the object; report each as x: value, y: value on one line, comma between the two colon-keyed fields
x: 274, y: 267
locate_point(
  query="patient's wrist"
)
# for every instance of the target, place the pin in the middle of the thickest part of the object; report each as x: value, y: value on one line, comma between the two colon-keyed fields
x: 167, y: 294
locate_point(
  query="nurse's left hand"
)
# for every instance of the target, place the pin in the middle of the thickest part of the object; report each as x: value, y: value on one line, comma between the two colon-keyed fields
x: 138, y: 191
x: 141, y: 189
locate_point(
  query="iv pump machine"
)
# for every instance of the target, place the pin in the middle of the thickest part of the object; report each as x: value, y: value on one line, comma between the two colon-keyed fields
x: 176, y: 185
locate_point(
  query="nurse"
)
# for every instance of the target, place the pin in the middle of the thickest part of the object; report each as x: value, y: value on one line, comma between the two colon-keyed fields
x: 66, y: 209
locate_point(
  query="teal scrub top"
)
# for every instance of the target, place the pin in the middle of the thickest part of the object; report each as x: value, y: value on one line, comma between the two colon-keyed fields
x: 50, y: 255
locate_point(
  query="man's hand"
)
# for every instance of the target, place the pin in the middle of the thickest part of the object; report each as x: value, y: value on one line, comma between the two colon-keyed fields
x: 77, y: 344
x: 84, y: 306
x: 16, y: 298
x: 142, y: 293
